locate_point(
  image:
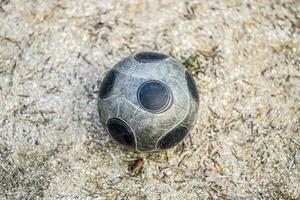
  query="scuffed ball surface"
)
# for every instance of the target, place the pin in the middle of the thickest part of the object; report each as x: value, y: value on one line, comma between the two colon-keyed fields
x: 153, y: 94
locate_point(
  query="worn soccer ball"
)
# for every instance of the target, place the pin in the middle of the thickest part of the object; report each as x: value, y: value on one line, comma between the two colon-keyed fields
x: 148, y: 102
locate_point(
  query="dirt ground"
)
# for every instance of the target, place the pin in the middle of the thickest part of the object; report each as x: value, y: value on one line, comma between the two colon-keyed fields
x: 245, y: 56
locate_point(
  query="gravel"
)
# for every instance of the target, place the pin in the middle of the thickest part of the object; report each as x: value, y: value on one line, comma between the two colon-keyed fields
x: 244, y: 55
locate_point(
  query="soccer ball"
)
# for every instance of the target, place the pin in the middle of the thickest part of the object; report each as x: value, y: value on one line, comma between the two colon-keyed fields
x: 148, y: 102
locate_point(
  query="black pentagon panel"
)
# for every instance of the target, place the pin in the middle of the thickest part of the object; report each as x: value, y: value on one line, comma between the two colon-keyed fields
x: 107, y: 84
x: 149, y: 57
x: 172, y: 138
x: 192, y: 86
x: 121, y: 132
x: 154, y: 96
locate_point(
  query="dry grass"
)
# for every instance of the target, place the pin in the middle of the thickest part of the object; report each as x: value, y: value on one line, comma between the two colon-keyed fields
x: 244, y: 55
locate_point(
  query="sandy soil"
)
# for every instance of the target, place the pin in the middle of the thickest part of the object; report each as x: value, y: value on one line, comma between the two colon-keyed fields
x: 245, y: 56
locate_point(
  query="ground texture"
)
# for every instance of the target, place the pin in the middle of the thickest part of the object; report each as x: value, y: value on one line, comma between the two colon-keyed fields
x: 245, y: 56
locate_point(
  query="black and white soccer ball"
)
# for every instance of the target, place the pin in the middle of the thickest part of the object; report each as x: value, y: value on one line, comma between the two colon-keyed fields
x: 148, y: 101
